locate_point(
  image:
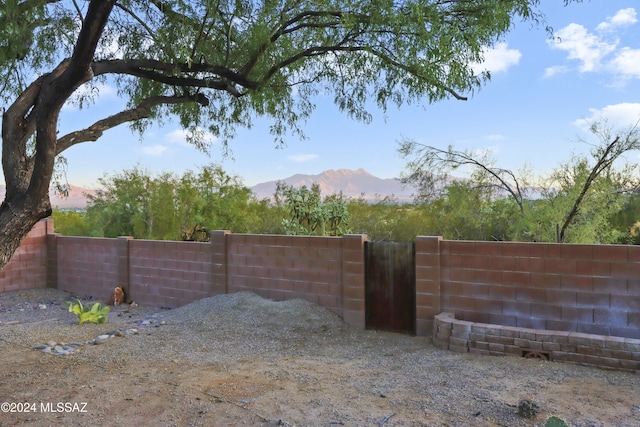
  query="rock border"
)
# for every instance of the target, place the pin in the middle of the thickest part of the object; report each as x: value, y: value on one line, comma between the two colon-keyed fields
x: 64, y: 349
x: 601, y: 351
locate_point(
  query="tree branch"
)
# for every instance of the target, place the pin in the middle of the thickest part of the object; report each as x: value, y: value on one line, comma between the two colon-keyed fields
x: 167, y: 73
x: 604, y: 161
x: 438, y: 158
x: 143, y: 110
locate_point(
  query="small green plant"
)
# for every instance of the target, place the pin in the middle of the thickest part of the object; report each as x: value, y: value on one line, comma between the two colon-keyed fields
x: 527, y: 408
x: 95, y: 314
x: 554, y: 421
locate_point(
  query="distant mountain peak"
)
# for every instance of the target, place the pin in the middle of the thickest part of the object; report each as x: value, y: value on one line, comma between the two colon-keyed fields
x: 76, y: 199
x: 352, y: 183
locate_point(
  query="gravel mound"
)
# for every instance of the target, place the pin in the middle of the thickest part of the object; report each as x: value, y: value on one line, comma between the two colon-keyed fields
x: 248, y: 310
x: 225, y: 327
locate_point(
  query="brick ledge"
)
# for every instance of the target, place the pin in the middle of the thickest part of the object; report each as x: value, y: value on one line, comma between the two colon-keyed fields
x: 573, y: 347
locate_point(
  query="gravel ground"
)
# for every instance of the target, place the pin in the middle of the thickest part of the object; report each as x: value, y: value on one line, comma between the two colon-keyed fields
x: 240, y: 359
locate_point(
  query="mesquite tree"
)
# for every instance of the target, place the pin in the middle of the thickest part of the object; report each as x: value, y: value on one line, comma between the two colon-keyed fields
x: 216, y: 64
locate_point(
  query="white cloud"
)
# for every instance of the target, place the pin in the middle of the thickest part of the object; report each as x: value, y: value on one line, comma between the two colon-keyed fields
x: 600, y: 50
x: 587, y: 48
x: 556, y: 69
x: 182, y: 136
x: 617, y: 115
x: 301, y: 158
x: 627, y: 63
x: 178, y: 136
x: 493, y: 137
x: 155, y: 150
x: 623, y: 18
x: 498, y: 59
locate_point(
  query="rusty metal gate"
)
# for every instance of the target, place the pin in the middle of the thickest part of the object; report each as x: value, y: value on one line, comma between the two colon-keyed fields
x: 390, y: 286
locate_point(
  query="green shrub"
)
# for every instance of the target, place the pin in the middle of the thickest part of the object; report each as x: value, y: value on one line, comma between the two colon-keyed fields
x: 95, y: 314
x: 527, y: 408
x: 554, y: 421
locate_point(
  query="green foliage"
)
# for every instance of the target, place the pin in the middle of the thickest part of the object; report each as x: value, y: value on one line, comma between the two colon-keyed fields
x: 93, y: 314
x: 247, y: 57
x: 309, y: 215
x: 592, y: 222
x: 528, y: 408
x: 580, y: 200
x: 71, y: 223
x: 166, y: 207
x: 627, y: 220
x: 554, y: 421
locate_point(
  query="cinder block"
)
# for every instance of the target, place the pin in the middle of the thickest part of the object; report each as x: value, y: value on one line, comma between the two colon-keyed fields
x: 578, y: 338
x: 596, y: 341
x: 480, y: 328
x: 609, y: 362
x: 493, y: 330
x: 460, y: 333
x: 561, y: 325
x: 550, y: 346
x: 510, y: 332
x: 535, y: 345
x: 530, y: 323
x: 553, y: 336
x: 473, y: 336
x: 631, y: 344
x: 568, y: 348
x: 443, y: 329
x: 526, y: 333
x: 499, y: 339
x: 568, y: 357
x: 604, y: 352
x: 631, y: 365
x: 459, y: 349
x: 585, y: 349
x: 461, y: 325
x: 512, y: 350
x: 458, y: 342
x: 616, y: 343
x: 592, y: 360
x: 496, y: 348
x: 483, y: 345
x: 622, y: 354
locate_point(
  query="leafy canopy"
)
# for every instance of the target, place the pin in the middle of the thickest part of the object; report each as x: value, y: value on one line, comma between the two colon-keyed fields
x: 235, y: 59
x: 167, y: 207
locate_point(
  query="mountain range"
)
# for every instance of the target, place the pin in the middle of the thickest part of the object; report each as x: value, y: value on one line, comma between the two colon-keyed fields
x: 352, y: 183
x: 76, y: 199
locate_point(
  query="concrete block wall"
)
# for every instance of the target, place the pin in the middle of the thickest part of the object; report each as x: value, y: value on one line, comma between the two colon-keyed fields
x: 427, y: 283
x: 27, y: 268
x: 591, y: 289
x: 168, y: 274
x: 87, y: 266
x: 353, y: 280
x: 285, y: 267
x: 573, y: 347
x: 328, y: 271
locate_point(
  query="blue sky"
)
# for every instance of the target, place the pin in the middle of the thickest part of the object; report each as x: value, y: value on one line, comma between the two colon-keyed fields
x: 532, y: 111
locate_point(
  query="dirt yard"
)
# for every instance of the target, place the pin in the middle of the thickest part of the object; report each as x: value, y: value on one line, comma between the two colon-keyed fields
x: 240, y: 360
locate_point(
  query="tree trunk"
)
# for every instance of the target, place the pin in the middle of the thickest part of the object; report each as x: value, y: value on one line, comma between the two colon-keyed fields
x: 18, y: 215
x: 35, y: 114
